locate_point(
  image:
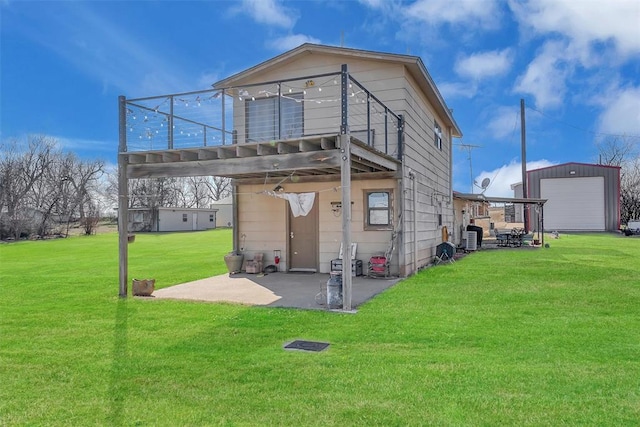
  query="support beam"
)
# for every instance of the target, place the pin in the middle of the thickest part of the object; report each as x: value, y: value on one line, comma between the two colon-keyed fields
x: 188, y: 156
x: 170, y: 157
x: 306, y: 145
x: 245, y: 151
x: 207, y: 154
x: 123, y: 200
x: 284, y: 148
x: 237, y: 166
x: 267, y: 149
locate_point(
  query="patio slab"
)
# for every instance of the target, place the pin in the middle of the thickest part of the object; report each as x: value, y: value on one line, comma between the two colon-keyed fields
x: 296, y: 290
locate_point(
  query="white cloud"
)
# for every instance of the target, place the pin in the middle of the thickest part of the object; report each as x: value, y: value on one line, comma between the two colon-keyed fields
x: 586, y: 23
x: 270, y: 12
x: 621, y: 113
x: 291, y: 41
x: 545, y: 76
x: 502, y: 177
x: 503, y: 122
x: 457, y: 90
x: 484, y: 14
x: 480, y: 65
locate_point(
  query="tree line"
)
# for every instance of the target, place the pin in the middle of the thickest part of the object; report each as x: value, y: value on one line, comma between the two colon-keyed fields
x: 45, y: 190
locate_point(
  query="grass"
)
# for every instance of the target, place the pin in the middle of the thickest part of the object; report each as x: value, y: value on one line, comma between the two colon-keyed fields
x: 530, y: 337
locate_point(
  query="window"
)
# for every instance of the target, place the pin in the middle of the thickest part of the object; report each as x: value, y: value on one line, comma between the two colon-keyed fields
x: 378, y: 210
x: 211, y: 217
x: 184, y: 217
x: 437, y: 135
x: 262, y: 118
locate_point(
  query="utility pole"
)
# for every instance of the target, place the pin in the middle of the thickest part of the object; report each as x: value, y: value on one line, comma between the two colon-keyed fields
x: 469, y: 147
x: 523, y: 137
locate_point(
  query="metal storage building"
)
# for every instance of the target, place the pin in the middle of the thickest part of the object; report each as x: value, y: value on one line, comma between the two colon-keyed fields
x: 581, y: 197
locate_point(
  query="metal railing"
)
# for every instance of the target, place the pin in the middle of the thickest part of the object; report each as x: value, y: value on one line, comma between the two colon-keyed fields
x: 267, y: 111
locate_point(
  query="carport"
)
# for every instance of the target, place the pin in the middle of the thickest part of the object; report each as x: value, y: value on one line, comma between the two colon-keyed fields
x: 538, y: 204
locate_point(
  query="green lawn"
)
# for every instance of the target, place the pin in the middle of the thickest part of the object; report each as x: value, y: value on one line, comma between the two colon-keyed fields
x: 529, y: 337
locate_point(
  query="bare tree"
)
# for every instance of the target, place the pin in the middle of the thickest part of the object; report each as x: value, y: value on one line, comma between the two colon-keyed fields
x: 624, y: 152
x: 21, y: 169
x: 220, y: 187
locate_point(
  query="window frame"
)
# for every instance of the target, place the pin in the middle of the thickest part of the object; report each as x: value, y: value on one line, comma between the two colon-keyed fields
x: 437, y: 135
x: 267, y: 110
x: 367, y: 210
x: 185, y: 217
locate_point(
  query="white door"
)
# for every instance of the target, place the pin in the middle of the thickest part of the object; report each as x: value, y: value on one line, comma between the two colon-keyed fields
x: 194, y: 221
x: 574, y: 204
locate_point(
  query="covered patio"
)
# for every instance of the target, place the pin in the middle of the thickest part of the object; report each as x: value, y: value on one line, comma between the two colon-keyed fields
x: 293, y: 290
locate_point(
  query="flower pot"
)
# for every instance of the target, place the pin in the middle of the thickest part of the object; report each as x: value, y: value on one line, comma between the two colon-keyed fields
x: 143, y: 287
x: 131, y: 238
x: 234, y: 262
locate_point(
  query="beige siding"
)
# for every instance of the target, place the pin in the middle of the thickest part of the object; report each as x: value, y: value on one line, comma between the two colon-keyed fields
x: 429, y: 166
x: 263, y: 220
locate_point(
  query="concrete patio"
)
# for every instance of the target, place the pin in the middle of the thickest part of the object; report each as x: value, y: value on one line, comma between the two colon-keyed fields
x: 295, y: 290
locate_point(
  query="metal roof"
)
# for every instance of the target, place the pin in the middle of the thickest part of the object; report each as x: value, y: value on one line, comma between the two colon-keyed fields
x: 491, y: 199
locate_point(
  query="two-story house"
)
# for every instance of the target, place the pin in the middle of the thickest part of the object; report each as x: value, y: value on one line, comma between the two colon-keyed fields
x: 325, y: 145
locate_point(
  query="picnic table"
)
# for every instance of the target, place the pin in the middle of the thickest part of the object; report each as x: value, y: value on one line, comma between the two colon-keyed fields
x: 511, y: 238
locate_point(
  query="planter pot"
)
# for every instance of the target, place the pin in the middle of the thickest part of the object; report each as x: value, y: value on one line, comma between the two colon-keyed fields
x: 131, y: 238
x: 143, y: 287
x: 234, y: 262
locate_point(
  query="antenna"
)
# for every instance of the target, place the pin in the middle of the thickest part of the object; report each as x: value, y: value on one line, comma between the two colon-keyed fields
x: 469, y: 147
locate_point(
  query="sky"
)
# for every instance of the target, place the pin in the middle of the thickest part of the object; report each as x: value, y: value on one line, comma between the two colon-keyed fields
x: 575, y: 63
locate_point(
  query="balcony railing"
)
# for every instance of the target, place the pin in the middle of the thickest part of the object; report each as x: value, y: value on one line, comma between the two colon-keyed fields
x: 268, y: 111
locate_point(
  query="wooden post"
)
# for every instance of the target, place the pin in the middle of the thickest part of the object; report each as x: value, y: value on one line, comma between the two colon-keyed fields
x: 123, y: 199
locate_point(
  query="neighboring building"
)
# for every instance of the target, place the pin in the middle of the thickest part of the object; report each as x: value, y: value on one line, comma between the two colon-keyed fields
x: 224, y: 216
x: 171, y: 219
x: 581, y: 197
x: 331, y: 128
x: 516, y: 212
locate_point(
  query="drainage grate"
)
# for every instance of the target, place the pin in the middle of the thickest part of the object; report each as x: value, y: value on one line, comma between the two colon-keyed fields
x: 306, y: 345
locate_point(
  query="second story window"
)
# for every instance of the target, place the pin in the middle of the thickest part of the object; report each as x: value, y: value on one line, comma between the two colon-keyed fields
x: 263, y: 118
x: 437, y: 138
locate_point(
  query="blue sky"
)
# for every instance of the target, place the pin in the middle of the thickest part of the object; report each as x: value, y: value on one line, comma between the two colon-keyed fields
x: 576, y: 63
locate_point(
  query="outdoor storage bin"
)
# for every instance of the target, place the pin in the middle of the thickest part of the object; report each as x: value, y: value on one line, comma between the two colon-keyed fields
x: 356, y: 266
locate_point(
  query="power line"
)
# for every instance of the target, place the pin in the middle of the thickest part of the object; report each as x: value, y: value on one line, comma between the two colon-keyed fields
x: 582, y: 129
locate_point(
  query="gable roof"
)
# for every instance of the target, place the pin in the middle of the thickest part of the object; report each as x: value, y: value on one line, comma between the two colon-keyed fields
x: 413, y: 64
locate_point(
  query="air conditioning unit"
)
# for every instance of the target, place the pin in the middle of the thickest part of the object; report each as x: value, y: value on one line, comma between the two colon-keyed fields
x: 472, y: 241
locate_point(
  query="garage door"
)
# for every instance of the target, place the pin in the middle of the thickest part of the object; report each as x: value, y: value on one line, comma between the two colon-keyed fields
x: 573, y: 203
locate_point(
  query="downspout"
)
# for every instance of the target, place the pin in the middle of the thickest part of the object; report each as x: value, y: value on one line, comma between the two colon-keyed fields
x: 345, y: 182
x: 414, y: 188
x: 234, y: 207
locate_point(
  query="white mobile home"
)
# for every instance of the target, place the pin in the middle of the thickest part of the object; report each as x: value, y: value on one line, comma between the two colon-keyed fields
x: 171, y: 219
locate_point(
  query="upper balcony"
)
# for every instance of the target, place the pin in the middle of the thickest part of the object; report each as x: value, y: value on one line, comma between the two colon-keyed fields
x: 275, y: 126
